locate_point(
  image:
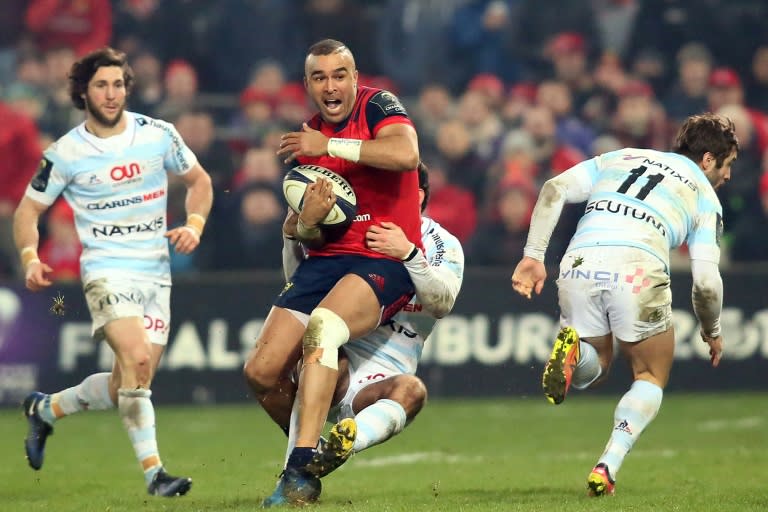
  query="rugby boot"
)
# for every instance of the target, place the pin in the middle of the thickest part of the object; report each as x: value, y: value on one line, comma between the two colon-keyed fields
x: 558, y: 371
x: 599, y: 482
x: 164, y: 484
x: 295, y: 487
x: 336, y: 450
x: 38, y: 431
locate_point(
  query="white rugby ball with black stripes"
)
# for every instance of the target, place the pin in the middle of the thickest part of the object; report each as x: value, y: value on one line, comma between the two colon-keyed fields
x: 295, y: 183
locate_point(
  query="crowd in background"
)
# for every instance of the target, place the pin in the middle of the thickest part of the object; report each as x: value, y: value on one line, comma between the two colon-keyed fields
x: 504, y: 95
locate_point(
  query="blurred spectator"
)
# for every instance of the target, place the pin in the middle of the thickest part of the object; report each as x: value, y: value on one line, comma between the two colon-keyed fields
x: 571, y: 130
x: 434, y: 105
x: 615, y: 22
x: 503, y: 238
x: 519, y: 99
x: 147, y: 90
x: 61, y: 247
x: 197, y: 129
x: 535, y: 27
x: 552, y: 156
x: 482, y: 121
x: 21, y: 156
x: 725, y: 89
x: 181, y: 89
x: 567, y: 52
x: 639, y: 121
x: 478, y: 31
x: 667, y: 25
x: 451, y: 205
x: 60, y: 116
x: 12, y: 26
x: 739, y: 198
x: 141, y: 24
x: 83, y: 25
x: 31, y: 70
x: 748, y: 239
x: 650, y: 66
x: 757, y: 91
x: 291, y: 107
x: 413, y: 46
x: 250, y: 235
x: 260, y: 165
x: 460, y: 161
x: 256, y: 30
x: 688, y: 95
x: 516, y: 163
x: 605, y: 144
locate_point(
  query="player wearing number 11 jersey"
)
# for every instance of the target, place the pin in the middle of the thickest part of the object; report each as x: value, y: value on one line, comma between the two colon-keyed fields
x: 614, y: 280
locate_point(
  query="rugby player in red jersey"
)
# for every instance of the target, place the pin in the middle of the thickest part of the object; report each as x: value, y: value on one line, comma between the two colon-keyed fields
x: 343, y: 289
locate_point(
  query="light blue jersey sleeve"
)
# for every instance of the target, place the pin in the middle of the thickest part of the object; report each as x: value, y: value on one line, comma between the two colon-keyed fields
x: 706, y: 234
x: 178, y: 159
x: 51, y: 178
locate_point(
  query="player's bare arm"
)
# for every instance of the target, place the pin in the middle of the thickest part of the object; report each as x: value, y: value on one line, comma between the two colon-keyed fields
x: 185, y: 239
x: 27, y: 238
x: 395, y: 148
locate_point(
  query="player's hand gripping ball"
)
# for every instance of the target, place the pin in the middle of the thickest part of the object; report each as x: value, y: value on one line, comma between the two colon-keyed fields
x: 295, y: 183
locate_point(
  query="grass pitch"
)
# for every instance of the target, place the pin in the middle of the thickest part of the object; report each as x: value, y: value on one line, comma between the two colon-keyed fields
x: 703, y: 452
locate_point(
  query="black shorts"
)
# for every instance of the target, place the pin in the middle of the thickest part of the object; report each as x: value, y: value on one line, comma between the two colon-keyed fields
x: 315, y: 277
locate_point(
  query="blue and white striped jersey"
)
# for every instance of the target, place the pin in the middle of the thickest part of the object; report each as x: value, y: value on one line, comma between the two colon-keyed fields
x: 648, y: 199
x: 117, y: 188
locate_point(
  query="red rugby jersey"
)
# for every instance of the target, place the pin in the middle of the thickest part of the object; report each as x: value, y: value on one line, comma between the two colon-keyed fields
x: 381, y: 195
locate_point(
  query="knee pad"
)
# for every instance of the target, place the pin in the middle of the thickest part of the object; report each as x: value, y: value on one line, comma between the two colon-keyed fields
x: 325, y: 333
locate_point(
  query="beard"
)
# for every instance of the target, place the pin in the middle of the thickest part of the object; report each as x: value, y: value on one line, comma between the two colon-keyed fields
x: 101, y: 118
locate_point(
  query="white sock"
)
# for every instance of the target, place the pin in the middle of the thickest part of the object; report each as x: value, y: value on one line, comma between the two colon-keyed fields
x: 91, y: 394
x: 635, y: 411
x: 293, y: 430
x: 588, y: 368
x: 378, y: 422
x: 138, y: 416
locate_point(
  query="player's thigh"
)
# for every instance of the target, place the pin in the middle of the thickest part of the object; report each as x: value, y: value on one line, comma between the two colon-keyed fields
x: 651, y: 359
x: 641, y: 307
x: 580, y: 287
x: 371, y: 291
x: 407, y: 390
x: 278, y: 347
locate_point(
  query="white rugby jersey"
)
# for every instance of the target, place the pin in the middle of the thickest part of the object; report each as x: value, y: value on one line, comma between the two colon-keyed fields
x: 117, y: 188
x: 399, y: 342
x: 648, y: 199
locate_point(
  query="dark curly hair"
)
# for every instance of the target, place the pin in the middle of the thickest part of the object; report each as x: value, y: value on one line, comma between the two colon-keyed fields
x: 83, y: 70
x: 706, y: 133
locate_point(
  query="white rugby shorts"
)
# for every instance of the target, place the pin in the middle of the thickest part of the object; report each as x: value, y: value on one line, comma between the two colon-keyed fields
x: 111, y: 298
x: 620, y: 290
x: 365, y: 369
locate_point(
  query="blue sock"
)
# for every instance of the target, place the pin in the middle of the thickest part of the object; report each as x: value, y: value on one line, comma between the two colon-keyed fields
x: 300, y: 457
x: 635, y: 411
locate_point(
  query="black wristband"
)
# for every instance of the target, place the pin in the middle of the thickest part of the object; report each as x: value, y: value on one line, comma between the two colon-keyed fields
x: 412, y: 254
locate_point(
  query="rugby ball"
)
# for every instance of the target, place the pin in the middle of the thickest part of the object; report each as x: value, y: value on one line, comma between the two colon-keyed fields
x: 295, y: 183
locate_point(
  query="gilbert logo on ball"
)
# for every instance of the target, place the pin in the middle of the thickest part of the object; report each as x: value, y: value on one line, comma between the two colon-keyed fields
x: 295, y: 183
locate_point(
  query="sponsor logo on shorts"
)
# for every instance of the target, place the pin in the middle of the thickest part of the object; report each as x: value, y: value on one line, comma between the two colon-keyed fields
x: 112, y: 299
x: 637, y: 280
x: 372, y: 377
x: 377, y: 281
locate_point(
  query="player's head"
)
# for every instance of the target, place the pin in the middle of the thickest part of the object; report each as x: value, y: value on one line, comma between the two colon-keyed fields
x: 99, y: 83
x: 710, y: 141
x: 423, y: 184
x: 330, y: 77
